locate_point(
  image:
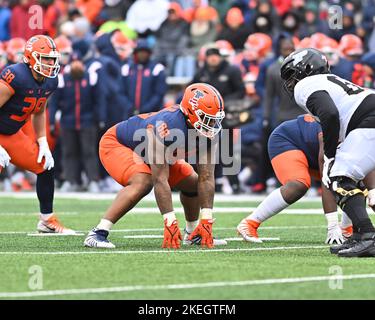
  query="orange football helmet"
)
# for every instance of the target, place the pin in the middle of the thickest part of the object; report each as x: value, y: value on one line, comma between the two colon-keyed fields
x: 257, y: 46
x: 304, y: 43
x: 203, y: 107
x: 122, y: 45
x: 14, y: 49
x: 329, y: 47
x: 38, y: 48
x: 351, y: 45
x: 64, y: 46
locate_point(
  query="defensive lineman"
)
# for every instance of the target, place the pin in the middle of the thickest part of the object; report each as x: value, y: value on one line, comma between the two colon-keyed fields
x: 347, y: 115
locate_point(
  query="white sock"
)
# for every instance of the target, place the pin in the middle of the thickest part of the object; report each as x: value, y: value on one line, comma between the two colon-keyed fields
x: 206, y: 213
x: 45, y: 216
x: 191, y: 225
x: 273, y: 204
x: 345, y: 221
x: 170, y: 217
x: 105, y: 224
x: 332, y: 219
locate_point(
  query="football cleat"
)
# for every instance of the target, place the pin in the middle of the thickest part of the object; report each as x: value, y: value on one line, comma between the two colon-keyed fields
x: 197, y: 240
x: 347, y: 232
x: 365, y: 247
x: 97, y: 238
x: 347, y: 244
x: 53, y: 225
x: 248, y: 229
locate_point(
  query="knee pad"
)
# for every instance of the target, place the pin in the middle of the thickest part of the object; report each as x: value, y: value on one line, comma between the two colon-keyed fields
x: 345, y: 188
x: 190, y: 194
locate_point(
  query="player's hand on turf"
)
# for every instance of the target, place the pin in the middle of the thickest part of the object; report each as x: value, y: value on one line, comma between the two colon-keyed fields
x: 204, y: 230
x: 172, y: 235
x: 334, y: 235
x: 328, y: 163
x: 44, y: 152
x: 4, y: 158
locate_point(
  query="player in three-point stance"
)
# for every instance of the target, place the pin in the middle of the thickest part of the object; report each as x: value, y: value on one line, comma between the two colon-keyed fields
x: 347, y: 115
x: 201, y: 110
x: 24, y: 90
x: 296, y: 151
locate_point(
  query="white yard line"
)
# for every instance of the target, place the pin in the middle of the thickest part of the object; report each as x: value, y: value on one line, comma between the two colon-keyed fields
x: 148, y: 198
x: 161, y: 230
x: 5, y: 214
x: 183, y: 286
x: 110, y: 251
x: 156, y: 236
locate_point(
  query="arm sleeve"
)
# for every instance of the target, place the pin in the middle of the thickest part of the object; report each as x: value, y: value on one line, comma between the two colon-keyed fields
x: 321, y: 105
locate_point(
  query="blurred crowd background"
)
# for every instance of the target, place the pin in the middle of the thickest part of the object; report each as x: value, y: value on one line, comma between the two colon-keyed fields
x: 123, y: 57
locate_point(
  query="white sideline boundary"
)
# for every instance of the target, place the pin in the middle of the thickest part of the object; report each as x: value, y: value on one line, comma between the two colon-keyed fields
x: 172, y: 251
x: 184, y: 286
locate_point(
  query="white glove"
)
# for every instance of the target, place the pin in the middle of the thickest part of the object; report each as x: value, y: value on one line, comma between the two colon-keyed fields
x: 334, y: 232
x: 328, y: 163
x: 46, y: 153
x: 4, y: 157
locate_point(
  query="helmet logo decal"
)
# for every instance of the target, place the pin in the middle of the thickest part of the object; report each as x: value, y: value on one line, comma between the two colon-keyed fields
x: 194, y: 100
x: 298, y: 57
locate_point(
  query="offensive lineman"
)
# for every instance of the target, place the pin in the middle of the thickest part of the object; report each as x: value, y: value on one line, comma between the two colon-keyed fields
x: 347, y: 115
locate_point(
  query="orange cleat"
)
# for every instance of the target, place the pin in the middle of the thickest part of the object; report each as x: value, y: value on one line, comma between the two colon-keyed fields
x: 53, y: 225
x: 248, y: 229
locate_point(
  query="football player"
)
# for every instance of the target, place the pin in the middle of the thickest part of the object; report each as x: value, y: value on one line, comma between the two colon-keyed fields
x: 347, y: 116
x: 202, y: 110
x: 296, y: 151
x: 24, y: 90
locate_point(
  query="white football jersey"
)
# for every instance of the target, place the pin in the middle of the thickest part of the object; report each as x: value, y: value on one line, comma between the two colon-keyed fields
x: 346, y: 95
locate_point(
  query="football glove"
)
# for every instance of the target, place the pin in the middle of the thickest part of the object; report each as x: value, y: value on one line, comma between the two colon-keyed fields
x: 4, y: 158
x: 172, y: 235
x: 334, y: 236
x: 45, y: 153
x: 334, y: 232
x: 328, y: 163
x: 204, y: 230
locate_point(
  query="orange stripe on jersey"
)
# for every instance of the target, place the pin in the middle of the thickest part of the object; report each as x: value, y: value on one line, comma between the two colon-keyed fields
x: 8, y: 85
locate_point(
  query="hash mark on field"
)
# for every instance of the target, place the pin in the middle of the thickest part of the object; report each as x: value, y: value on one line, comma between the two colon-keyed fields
x: 180, y: 286
x: 109, y: 251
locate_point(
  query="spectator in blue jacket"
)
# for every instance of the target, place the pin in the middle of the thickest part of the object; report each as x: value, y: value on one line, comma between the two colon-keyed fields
x: 80, y: 99
x: 5, y: 14
x: 111, y: 62
x: 143, y: 81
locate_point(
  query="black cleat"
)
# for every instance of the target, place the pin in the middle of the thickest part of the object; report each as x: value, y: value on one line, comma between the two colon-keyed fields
x: 347, y: 244
x: 361, y: 248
